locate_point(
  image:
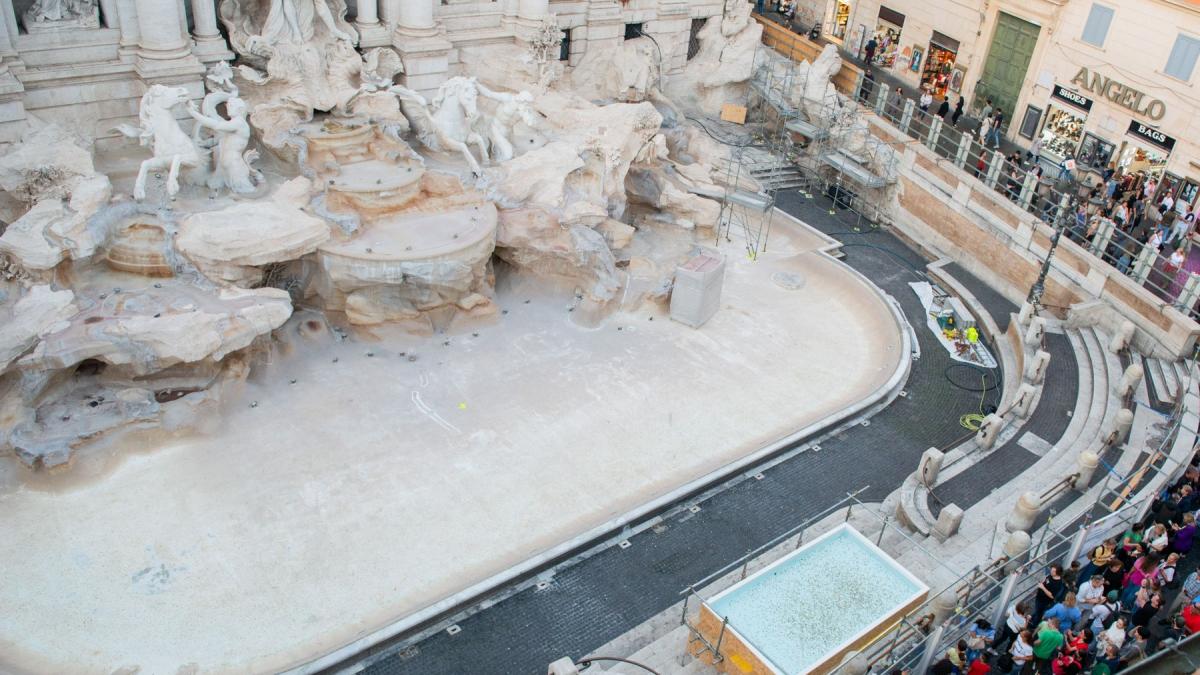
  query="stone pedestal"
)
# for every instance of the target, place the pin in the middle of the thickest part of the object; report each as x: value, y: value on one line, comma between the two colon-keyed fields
x: 1016, y: 547
x: 1130, y: 380
x: 1024, y: 401
x: 210, y: 45
x: 164, y: 55
x: 371, y: 31
x: 1088, y: 461
x: 426, y: 58
x: 1123, y: 339
x: 1035, y: 372
x: 1033, y: 334
x: 930, y: 466
x: 1119, y: 430
x: 1024, y: 513
x: 989, y: 430
x: 1026, y: 314
x: 423, y: 47
x: 948, y: 522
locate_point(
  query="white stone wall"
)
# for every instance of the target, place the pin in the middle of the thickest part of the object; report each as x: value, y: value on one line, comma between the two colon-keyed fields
x: 1135, y: 53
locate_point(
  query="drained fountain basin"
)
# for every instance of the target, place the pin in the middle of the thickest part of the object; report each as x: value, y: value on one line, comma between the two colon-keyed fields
x: 807, y: 610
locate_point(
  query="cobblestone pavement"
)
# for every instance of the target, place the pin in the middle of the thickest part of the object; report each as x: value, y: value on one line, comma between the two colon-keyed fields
x: 601, y: 597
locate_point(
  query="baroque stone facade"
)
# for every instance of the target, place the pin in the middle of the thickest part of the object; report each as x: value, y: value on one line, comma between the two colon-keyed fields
x: 87, y: 63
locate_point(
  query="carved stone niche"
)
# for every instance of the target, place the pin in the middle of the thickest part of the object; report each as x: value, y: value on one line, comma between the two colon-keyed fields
x: 45, y: 16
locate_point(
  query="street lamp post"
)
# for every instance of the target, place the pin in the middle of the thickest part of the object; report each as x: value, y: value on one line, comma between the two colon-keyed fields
x: 1060, y: 223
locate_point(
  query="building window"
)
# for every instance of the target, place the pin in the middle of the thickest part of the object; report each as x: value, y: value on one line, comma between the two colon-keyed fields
x: 1095, y: 32
x: 564, y: 47
x: 633, y: 30
x: 694, y: 38
x: 1183, y: 58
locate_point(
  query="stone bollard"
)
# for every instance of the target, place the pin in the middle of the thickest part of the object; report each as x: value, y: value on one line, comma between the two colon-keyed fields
x: 1123, y: 338
x: 1024, y: 401
x: 563, y: 666
x: 1087, y: 462
x: 1033, y: 334
x: 1121, y: 425
x: 931, y: 464
x: 1130, y: 380
x: 944, y: 605
x: 947, y: 523
x: 1026, y: 314
x: 1035, y: 372
x: 989, y: 430
x: 855, y: 663
x: 1016, y: 547
x: 1024, y: 513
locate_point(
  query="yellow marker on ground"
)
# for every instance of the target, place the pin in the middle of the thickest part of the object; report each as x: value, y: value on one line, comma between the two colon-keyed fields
x: 462, y: 406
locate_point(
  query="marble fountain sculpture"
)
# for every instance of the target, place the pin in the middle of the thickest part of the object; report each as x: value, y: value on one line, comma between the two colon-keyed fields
x: 309, y: 178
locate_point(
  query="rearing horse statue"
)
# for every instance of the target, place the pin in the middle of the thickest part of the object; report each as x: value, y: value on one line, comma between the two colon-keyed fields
x: 172, y: 148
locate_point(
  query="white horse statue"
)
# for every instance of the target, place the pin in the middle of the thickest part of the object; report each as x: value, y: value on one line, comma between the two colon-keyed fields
x: 172, y: 147
x: 452, y: 124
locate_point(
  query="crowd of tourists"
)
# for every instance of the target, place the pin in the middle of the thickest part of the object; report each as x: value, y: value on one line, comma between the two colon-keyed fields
x: 1133, y: 595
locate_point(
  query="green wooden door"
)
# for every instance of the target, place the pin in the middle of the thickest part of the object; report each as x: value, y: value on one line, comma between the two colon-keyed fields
x: 1007, y: 61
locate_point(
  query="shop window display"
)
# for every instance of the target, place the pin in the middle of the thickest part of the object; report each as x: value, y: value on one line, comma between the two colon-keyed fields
x: 1062, y: 133
x: 1095, y: 153
x: 939, y: 68
x: 841, y: 18
x: 1135, y: 159
x: 887, y: 37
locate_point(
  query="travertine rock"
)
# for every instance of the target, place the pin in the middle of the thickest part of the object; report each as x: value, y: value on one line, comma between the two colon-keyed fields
x: 60, y: 426
x: 231, y: 243
x: 40, y: 312
x: 46, y: 164
x: 592, y: 151
x: 720, y: 70
x: 155, y: 328
x: 534, y: 239
x: 54, y: 177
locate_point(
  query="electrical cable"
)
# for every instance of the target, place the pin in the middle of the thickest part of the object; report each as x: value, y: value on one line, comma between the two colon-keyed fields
x: 974, y: 390
x: 974, y: 421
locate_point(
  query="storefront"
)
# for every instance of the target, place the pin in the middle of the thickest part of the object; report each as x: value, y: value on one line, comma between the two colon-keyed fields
x: 1095, y: 153
x: 841, y: 19
x: 1062, y: 133
x: 1146, y: 151
x: 938, y: 72
x: 887, y: 36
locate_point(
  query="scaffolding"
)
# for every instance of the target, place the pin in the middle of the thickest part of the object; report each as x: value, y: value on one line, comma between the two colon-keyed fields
x: 824, y: 139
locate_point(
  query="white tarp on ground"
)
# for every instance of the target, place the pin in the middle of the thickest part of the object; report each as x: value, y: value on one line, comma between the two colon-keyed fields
x: 977, y: 355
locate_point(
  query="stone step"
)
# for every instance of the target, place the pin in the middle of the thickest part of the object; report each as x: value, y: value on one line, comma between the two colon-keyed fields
x: 1163, y: 380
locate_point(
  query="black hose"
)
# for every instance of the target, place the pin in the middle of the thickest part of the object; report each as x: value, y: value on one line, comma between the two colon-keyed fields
x: 588, y: 661
x: 985, y: 372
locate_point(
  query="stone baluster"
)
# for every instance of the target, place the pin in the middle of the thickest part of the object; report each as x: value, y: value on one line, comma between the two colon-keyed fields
x: 210, y: 46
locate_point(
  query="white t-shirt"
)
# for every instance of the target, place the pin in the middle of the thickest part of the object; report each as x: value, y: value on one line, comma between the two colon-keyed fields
x: 1021, y: 652
x: 1016, y: 622
x: 1089, y: 593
